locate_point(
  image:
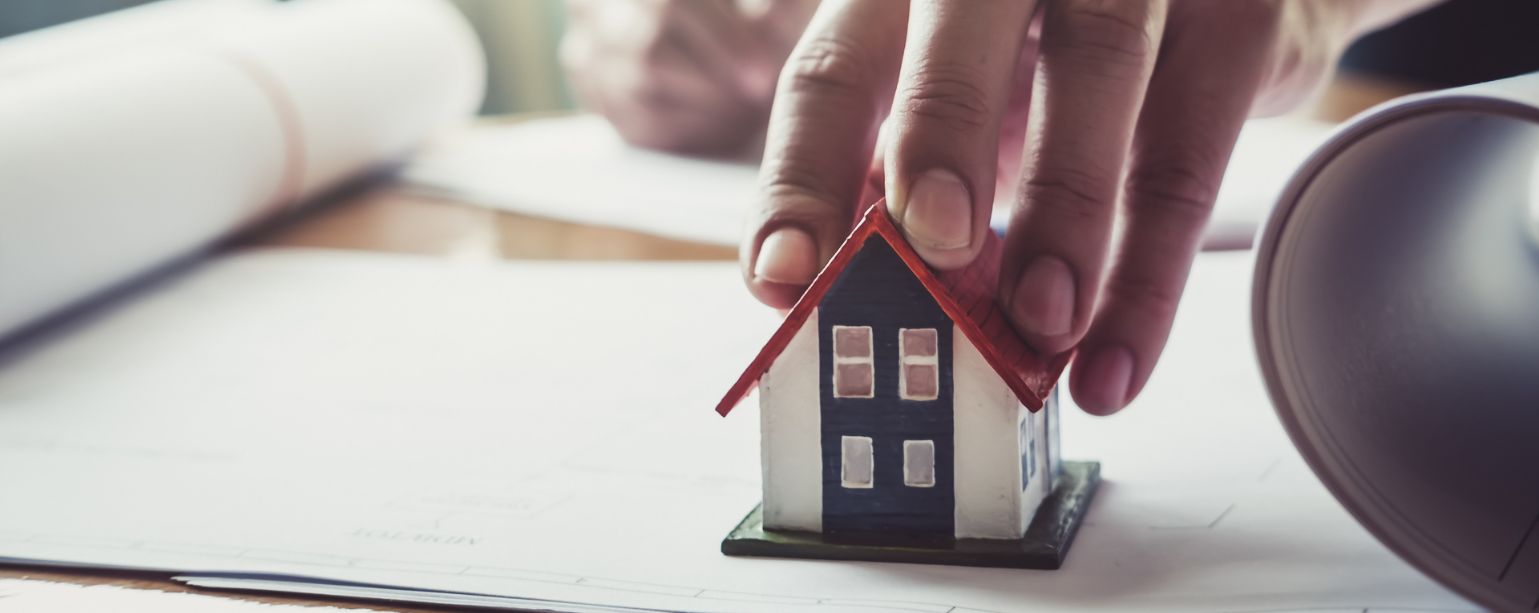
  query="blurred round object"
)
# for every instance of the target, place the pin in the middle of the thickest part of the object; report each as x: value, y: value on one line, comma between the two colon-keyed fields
x: 1396, y: 318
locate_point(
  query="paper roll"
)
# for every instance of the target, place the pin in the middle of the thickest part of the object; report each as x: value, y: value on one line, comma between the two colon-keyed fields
x: 132, y: 139
x: 1396, y: 320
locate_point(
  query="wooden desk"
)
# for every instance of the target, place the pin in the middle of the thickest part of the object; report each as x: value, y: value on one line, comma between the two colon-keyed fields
x: 387, y: 219
x: 393, y: 220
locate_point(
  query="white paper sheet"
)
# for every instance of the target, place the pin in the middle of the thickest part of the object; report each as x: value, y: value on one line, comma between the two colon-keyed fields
x: 25, y: 596
x: 139, y: 136
x: 579, y: 169
x: 543, y: 431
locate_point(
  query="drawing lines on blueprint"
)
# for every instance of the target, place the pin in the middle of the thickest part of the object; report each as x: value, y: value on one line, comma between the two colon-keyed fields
x: 1209, y: 526
x: 1270, y: 468
x: 321, y: 560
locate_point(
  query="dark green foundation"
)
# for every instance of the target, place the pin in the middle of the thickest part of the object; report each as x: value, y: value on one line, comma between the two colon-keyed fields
x: 1045, y: 545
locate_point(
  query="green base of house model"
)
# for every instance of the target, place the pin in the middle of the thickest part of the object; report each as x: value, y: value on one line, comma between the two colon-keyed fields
x: 1044, y: 547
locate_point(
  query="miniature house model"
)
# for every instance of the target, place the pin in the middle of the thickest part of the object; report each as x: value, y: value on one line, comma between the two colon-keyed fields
x: 899, y: 402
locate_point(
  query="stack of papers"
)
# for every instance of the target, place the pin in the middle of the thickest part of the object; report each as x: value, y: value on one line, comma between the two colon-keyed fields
x: 579, y: 169
x: 540, y: 436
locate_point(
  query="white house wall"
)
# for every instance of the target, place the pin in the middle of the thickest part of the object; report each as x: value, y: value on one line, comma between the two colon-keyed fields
x: 987, y: 457
x: 790, y: 427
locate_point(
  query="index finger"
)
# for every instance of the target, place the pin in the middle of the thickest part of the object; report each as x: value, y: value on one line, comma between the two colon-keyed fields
x: 822, y: 128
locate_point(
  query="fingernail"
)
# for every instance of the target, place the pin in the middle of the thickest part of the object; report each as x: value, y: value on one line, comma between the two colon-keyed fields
x: 788, y: 256
x: 939, y: 211
x: 1044, y: 297
x: 1106, y: 379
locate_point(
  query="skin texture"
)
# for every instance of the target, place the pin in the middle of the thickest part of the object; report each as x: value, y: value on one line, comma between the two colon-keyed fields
x: 1082, y: 113
x: 690, y: 76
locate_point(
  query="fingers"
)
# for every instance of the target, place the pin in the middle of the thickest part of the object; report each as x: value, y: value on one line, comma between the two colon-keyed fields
x: 1209, y: 72
x: 663, y: 72
x: 1093, y: 66
x: 953, y: 90
x: 715, y: 37
x: 827, y: 108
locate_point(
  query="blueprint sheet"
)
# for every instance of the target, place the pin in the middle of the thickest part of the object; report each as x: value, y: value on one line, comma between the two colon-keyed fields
x: 541, y: 435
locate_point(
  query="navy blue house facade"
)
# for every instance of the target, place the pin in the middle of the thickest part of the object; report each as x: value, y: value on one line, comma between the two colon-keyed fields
x: 875, y: 300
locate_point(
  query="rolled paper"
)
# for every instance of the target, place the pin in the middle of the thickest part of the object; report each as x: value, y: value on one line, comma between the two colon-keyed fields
x: 137, y: 138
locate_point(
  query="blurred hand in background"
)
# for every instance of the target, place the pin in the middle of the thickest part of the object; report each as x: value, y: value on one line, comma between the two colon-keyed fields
x: 688, y: 76
x: 1104, y: 103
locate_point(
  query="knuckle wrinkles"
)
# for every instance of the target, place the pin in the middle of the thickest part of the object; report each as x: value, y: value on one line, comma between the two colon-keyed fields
x: 827, y: 65
x: 806, y: 186
x: 1114, y: 31
x: 1248, y: 16
x: 949, y: 94
x: 1145, y: 292
x: 1070, y: 193
x: 1173, y: 191
x: 817, y: 210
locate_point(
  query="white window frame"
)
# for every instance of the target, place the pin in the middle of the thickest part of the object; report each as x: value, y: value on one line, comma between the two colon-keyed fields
x: 869, y: 360
x: 908, y: 470
x: 849, y: 446
x: 904, y: 359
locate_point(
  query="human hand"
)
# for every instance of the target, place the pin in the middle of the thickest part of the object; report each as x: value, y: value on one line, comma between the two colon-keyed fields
x: 1136, y: 102
x: 691, y: 76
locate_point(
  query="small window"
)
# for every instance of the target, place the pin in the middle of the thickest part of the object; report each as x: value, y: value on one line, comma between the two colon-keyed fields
x: 854, y: 374
x: 855, y: 470
x: 919, y: 372
x: 1028, y: 447
x: 919, y: 463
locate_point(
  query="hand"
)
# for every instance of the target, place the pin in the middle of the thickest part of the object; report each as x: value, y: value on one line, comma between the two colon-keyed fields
x: 691, y: 76
x: 1136, y: 102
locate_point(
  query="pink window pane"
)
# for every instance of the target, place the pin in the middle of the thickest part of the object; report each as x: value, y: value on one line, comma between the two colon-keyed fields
x: 852, y: 380
x: 852, y: 342
x: 919, y: 342
x: 921, y: 381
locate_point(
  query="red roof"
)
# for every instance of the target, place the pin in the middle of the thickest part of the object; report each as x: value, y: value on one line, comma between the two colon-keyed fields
x: 966, y: 295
